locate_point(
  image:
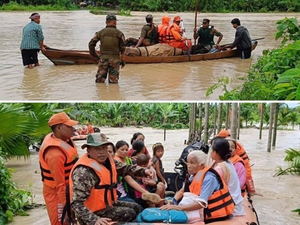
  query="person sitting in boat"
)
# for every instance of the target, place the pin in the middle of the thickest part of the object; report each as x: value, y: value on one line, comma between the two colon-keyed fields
x: 149, y: 33
x: 205, y: 35
x: 162, y: 29
x: 221, y: 154
x: 210, y: 190
x: 242, y: 153
x: 90, y: 128
x: 175, y: 37
x: 238, y: 163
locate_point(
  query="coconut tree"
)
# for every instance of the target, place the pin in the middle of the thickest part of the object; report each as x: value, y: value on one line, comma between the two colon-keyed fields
x: 272, y: 108
x: 227, y: 116
x: 261, y: 109
x: 233, y: 126
x: 220, y: 116
x: 206, y: 122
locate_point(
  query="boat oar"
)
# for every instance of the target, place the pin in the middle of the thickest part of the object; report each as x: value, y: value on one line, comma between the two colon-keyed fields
x: 186, y: 42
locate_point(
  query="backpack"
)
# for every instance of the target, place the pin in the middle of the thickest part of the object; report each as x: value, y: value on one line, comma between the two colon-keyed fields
x: 152, y: 215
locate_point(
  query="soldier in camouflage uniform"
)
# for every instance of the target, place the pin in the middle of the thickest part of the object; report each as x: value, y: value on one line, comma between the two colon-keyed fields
x: 112, y: 51
x: 85, y: 178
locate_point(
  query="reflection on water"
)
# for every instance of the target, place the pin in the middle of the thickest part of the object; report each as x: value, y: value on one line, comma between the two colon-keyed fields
x: 280, y: 194
x: 73, y: 30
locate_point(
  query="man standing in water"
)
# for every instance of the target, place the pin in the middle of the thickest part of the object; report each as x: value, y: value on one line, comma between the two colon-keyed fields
x: 32, y: 41
x: 242, y: 39
x: 112, y: 48
x: 57, y: 156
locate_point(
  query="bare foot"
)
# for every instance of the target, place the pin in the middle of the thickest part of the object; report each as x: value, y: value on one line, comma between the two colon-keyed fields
x: 36, y: 64
x: 30, y: 66
x: 151, y: 197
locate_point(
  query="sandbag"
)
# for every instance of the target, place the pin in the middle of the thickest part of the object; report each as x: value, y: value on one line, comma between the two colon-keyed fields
x: 152, y: 215
x: 153, y: 50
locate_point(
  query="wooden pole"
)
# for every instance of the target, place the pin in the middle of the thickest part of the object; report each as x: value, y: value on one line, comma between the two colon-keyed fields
x: 196, y: 11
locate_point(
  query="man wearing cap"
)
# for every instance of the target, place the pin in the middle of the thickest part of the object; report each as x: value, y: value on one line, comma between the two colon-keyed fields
x: 205, y: 35
x: 175, y: 36
x: 242, y: 41
x: 93, y: 185
x: 112, y: 48
x: 240, y: 151
x: 149, y: 33
x: 32, y: 41
x: 57, y: 156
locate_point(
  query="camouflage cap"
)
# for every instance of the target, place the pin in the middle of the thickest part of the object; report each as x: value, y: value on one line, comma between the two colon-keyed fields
x: 95, y: 140
x: 111, y: 16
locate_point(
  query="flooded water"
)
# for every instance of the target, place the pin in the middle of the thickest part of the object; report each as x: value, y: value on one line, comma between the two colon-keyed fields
x: 73, y: 30
x: 280, y: 194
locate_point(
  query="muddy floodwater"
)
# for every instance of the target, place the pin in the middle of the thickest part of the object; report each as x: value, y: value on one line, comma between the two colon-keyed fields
x: 280, y: 194
x: 73, y: 30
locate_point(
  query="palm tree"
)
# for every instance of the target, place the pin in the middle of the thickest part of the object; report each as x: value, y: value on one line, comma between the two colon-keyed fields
x: 220, y: 116
x: 272, y: 108
x: 29, y: 122
x: 233, y: 127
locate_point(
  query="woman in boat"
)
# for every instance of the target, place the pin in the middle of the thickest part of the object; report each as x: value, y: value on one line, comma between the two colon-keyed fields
x: 210, y: 191
x: 238, y: 163
x: 221, y: 154
x: 126, y: 185
x: 138, y: 136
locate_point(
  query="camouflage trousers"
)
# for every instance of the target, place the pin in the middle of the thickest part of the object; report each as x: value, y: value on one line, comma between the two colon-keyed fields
x: 108, y: 66
x: 121, y: 211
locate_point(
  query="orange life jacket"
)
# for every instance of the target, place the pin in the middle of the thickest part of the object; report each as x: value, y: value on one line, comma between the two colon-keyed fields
x: 240, y: 151
x: 220, y: 204
x: 235, y: 159
x: 162, y: 33
x: 102, y: 195
x: 169, y: 34
x: 69, y: 151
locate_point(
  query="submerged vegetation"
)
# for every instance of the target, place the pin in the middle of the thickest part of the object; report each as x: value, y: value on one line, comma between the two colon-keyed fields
x: 276, y: 75
x: 160, y: 5
x: 293, y: 159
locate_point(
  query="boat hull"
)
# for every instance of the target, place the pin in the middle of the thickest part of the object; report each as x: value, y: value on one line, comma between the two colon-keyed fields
x: 81, y: 57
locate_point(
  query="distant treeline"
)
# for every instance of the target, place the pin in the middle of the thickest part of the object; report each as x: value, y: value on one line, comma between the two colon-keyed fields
x: 179, y: 5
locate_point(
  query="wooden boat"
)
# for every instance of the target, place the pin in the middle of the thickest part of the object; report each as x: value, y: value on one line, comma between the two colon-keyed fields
x: 80, y: 57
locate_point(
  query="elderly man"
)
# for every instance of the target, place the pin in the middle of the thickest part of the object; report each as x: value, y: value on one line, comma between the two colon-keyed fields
x: 112, y: 48
x: 205, y: 35
x: 149, y: 33
x: 32, y: 41
x: 57, y: 156
x: 93, y: 185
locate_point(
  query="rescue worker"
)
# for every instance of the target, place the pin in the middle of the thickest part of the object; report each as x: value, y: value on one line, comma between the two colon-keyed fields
x: 93, y: 183
x: 242, y: 41
x: 162, y: 29
x: 149, y: 33
x: 209, y: 186
x: 57, y: 156
x: 240, y: 151
x: 90, y: 128
x: 205, y: 35
x: 112, y: 48
x: 175, y: 36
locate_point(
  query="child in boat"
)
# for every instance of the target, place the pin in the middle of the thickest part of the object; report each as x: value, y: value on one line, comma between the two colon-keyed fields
x: 221, y: 154
x: 135, y: 137
x: 158, y: 152
x: 151, y: 185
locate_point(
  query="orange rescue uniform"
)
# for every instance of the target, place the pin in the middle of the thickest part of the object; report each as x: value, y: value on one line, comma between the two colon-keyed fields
x: 90, y: 129
x: 240, y: 151
x: 220, y: 204
x: 162, y: 29
x: 104, y: 194
x: 56, y: 158
x: 175, y: 39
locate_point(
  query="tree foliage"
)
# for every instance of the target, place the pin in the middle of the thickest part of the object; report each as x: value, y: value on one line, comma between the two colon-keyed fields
x: 276, y: 75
